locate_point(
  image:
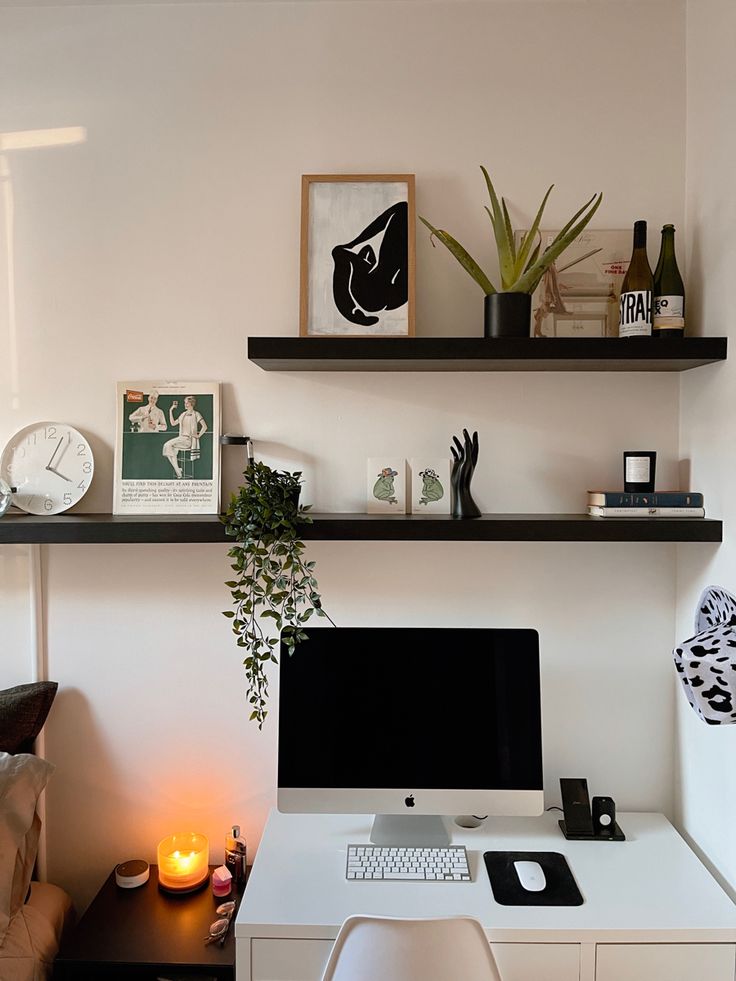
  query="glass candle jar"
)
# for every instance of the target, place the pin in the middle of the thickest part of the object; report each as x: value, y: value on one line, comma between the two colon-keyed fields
x: 183, y: 861
x: 639, y: 470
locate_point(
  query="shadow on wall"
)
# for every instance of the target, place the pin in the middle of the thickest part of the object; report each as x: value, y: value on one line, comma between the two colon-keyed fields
x: 84, y: 773
x: 696, y: 278
x: 233, y: 458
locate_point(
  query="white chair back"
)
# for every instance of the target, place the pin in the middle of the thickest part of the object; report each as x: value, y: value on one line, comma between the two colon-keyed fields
x: 378, y: 948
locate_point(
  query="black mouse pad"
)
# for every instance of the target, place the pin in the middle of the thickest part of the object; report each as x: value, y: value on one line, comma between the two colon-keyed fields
x: 560, y: 890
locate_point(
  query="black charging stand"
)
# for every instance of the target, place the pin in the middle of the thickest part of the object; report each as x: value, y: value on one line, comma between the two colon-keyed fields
x: 579, y: 824
x: 615, y: 834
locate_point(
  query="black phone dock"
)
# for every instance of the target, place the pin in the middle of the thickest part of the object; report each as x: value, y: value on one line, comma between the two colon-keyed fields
x: 582, y: 824
x: 614, y: 834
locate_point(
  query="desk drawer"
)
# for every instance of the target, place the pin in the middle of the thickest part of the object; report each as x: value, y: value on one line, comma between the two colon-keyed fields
x: 289, y: 960
x: 675, y: 962
x: 304, y: 960
x: 550, y: 962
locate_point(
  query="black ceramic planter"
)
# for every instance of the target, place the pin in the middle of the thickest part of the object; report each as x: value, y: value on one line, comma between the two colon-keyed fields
x: 507, y: 314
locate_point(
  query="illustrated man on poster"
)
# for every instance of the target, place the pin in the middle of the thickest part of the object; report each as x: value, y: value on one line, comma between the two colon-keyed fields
x: 149, y: 418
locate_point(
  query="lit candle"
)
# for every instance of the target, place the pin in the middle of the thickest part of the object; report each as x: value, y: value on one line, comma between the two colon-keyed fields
x: 183, y: 861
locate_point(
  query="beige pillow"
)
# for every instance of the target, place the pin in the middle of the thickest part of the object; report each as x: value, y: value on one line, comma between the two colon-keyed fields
x: 22, y: 779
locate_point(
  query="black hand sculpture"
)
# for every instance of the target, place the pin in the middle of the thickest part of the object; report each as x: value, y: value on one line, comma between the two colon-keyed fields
x: 464, y: 459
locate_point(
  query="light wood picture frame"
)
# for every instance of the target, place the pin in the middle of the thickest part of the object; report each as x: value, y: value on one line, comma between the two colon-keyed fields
x: 358, y: 253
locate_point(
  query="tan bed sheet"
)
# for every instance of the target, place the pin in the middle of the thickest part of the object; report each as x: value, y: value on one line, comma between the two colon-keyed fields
x: 34, y: 933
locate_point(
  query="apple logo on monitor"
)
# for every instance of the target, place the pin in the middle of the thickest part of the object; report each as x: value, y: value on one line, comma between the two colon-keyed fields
x: 409, y: 801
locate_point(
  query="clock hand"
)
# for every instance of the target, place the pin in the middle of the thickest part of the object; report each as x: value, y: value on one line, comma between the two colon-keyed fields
x: 56, y: 450
x: 67, y: 479
x: 66, y: 446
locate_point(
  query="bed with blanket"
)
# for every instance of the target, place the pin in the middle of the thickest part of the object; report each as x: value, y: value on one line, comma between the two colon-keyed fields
x: 33, y: 915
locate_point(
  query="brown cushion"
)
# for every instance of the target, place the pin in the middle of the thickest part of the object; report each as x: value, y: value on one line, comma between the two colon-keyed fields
x: 33, y: 936
x: 22, y: 779
x: 23, y: 711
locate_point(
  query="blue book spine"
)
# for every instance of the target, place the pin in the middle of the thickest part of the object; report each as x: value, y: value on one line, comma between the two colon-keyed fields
x: 659, y: 499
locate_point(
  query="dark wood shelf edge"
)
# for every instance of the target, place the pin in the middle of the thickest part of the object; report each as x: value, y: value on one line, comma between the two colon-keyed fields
x: 192, y: 529
x: 111, y: 529
x: 482, y: 354
x: 511, y: 528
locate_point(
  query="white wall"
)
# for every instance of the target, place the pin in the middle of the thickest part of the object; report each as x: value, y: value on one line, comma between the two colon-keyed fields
x: 706, y: 781
x: 160, y: 244
x: 16, y: 661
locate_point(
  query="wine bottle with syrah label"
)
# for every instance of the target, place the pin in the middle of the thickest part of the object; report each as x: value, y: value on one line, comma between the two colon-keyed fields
x: 669, y: 291
x: 635, y: 319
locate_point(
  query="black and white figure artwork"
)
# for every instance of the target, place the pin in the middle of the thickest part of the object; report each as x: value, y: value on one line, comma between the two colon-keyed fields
x: 371, y: 272
x: 357, y: 256
x: 706, y: 662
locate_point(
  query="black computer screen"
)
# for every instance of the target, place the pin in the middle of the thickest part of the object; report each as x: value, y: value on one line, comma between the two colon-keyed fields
x: 398, y: 707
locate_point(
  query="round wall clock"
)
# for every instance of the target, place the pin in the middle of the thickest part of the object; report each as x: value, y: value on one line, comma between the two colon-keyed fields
x: 50, y: 465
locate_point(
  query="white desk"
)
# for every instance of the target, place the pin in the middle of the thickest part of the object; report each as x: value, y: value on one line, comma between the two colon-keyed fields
x: 651, y: 909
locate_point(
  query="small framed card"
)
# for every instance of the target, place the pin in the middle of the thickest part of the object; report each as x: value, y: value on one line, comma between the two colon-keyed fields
x: 430, y: 485
x: 386, y: 485
x: 578, y: 295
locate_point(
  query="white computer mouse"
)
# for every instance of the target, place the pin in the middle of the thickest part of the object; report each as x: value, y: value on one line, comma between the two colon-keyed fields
x: 531, y: 876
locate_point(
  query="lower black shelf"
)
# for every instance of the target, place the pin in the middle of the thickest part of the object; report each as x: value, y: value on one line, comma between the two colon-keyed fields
x: 140, y: 529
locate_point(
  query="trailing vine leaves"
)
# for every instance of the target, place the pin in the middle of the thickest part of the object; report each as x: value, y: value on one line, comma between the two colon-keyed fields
x: 272, y: 582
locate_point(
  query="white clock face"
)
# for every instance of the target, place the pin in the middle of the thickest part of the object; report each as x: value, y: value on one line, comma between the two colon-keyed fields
x: 51, y: 466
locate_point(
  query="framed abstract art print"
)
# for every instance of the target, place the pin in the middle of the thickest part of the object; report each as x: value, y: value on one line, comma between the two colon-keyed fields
x: 357, y: 255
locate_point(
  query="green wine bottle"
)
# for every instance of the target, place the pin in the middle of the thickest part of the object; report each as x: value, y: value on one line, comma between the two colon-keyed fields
x: 635, y: 319
x: 669, y: 291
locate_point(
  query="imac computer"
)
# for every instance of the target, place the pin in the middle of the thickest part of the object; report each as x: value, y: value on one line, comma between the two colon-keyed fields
x: 411, y: 724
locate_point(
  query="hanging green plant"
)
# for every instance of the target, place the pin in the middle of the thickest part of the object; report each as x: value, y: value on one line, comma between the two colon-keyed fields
x: 273, y: 582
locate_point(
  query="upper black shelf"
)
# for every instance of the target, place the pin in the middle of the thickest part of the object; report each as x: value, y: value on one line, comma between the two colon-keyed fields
x: 137, y: 529
x: 482, y: 354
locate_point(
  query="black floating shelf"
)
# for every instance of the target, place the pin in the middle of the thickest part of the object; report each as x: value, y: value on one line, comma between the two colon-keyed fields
x: 136, y: 529
x: 482, y: 354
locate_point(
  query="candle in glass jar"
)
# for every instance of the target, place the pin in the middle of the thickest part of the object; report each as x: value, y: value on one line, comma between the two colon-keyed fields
x: 183, y: 861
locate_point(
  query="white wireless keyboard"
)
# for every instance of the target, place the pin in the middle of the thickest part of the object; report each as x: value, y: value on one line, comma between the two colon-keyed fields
x: 448, y: 864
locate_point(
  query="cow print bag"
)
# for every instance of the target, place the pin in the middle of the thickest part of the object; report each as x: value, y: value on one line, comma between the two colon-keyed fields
x: 706, y: 663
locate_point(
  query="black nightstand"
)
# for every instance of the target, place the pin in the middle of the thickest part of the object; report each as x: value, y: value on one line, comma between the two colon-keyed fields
x: 146, y: 934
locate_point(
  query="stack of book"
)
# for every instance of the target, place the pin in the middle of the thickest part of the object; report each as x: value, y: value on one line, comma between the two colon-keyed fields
x: 660, y: 504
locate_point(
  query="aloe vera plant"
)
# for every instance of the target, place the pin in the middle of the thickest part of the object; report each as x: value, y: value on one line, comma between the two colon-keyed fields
x: 521, y: 269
